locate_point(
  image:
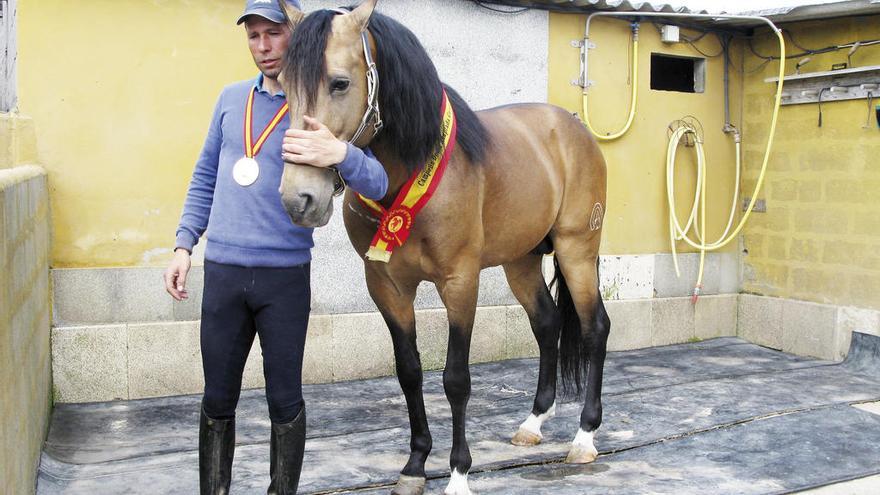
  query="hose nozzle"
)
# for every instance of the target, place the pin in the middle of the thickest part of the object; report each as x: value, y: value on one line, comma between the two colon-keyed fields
x: 696, y: 294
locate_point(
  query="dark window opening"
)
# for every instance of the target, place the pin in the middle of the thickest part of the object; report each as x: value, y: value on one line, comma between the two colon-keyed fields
x: 671, y: 73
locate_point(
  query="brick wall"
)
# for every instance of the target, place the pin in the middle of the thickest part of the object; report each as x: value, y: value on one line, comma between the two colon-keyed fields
x: 820, y: 237
x: 25, y: 357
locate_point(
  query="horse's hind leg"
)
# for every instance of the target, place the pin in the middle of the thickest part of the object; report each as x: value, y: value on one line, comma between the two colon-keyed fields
x: 527, y: 283
x: 584, y: 337
x: 397, y: 310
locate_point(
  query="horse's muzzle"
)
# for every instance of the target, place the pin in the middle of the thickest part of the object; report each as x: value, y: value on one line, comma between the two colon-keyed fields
x: 304, y: 211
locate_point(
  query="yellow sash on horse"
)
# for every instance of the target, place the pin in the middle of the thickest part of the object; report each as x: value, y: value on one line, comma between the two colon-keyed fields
x: 396, y: 222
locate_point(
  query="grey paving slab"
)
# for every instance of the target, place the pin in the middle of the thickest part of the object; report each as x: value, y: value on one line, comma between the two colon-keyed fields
x: 358, y: 433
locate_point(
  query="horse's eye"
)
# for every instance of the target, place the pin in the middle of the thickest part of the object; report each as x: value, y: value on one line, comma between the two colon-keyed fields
x: 339, y: 85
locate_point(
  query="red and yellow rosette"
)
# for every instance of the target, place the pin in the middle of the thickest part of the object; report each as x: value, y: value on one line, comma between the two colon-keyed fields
x: 396, y: 222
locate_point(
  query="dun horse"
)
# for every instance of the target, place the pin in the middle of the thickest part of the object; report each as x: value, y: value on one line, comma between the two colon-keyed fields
x: 521, y: 181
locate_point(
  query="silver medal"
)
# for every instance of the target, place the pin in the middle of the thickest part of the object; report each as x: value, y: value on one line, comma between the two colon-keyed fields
x: 245, y: 171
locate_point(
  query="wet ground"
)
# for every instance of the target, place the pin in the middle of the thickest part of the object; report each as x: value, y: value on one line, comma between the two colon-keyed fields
x: 719, y: 416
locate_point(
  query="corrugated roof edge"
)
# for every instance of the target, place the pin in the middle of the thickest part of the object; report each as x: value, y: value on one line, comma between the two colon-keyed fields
x: 845, y: 8
x: 595, y: 5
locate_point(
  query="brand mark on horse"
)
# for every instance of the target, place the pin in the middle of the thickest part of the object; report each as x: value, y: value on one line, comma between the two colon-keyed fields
x: 596, y: 217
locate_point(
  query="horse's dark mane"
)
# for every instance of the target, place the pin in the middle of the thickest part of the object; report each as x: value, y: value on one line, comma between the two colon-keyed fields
x: 410, y: 91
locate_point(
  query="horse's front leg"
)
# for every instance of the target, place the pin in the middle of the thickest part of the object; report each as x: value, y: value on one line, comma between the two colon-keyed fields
x: 459, y: 294
x: 397, y: 310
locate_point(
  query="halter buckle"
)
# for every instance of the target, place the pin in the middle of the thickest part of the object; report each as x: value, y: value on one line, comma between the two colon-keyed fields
x: 338, y: 183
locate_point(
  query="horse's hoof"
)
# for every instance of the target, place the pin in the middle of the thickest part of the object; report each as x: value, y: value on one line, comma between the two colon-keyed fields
x: 583, y: 450
x: 578, y: 455
x: 458, y: 484
x: 409, y: 485
x: 525, y: 438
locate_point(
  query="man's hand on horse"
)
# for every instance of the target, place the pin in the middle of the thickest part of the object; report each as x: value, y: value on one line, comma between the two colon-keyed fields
x: 315, y: 145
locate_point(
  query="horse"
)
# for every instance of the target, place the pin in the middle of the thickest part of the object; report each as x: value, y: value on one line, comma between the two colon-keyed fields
x: 522, y: 181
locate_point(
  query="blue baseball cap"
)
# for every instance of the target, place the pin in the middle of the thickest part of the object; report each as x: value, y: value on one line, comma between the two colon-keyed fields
x: 268, y: 9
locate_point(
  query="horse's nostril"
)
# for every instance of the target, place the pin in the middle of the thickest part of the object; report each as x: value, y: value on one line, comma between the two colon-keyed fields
x: 293, y: 204
x: 306, y: 200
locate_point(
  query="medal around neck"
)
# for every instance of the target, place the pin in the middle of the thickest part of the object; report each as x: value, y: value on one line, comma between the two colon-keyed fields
x: 246, y: 171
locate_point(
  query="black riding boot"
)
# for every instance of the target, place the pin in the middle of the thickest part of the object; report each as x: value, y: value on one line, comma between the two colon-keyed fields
x: 216, y: 448
x: 286, y: 446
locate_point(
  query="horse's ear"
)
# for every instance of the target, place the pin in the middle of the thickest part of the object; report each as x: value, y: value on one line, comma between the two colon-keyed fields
x: 361, y: 15
x: 291, y: 14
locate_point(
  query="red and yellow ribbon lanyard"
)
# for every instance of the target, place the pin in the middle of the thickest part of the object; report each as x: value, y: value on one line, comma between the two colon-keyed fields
x: 397, y: 221
x: 251, y: 148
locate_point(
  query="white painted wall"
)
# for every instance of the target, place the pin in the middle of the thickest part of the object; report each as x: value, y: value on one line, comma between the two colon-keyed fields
x: 8, y: 55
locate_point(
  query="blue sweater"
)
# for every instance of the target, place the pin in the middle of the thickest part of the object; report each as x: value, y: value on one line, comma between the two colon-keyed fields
x: 248, y: 226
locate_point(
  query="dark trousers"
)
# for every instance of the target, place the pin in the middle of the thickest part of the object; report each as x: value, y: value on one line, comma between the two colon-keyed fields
x: 239, y: 303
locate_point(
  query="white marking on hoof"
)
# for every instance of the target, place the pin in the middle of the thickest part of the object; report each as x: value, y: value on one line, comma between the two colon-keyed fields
x: 582, y: 449
x: 529, y: 432
x: 458, y: 484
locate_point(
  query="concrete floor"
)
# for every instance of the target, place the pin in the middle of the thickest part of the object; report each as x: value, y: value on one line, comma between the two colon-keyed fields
x: 719, y: 416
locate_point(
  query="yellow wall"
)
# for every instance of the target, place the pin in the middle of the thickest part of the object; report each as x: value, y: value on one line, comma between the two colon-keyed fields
x: 820, y: 238
x: 636, y: 221
x: 122, y: 92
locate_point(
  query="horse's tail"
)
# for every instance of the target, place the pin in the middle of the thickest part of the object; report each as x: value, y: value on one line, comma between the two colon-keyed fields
x: 573, y: 350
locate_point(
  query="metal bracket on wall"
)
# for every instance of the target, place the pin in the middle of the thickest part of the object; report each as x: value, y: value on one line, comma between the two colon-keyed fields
x: 760, y: 205
x: 580, y: 44
x: 578, y: 82
x: 846, y: 84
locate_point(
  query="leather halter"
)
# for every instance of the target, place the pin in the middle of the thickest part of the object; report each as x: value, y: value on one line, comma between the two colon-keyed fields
x: 372, y: 113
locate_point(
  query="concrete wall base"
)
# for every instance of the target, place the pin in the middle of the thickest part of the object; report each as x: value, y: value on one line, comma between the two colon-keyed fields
x: 140, y: 360
x: 134, y: 361
x: 808, y: 329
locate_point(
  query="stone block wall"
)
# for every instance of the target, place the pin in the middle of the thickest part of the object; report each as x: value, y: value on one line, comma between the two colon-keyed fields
x: 117, y: 334
x: 819, y: 239
x: 804, y: 328
x: 25, y: 365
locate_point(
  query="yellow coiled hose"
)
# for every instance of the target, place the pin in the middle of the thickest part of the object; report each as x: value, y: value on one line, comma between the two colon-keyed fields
x: 677, y: 232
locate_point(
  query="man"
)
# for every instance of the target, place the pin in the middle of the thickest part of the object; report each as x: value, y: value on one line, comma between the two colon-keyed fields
x: 256, y: 260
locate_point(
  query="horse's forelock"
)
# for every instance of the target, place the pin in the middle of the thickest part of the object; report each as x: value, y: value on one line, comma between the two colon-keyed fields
x: 305, y: 66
